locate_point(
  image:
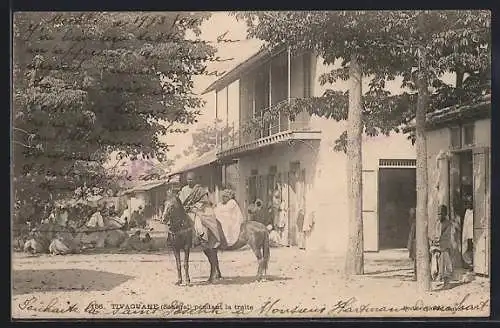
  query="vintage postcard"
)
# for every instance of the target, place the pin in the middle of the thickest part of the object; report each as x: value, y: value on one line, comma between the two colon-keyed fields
x: 320, y: 164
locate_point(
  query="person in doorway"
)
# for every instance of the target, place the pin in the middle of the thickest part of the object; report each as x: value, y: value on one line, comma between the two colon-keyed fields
x: 412, y: 250
x: 229, y: 214
x: 468, y: 232
x: 258, y: 212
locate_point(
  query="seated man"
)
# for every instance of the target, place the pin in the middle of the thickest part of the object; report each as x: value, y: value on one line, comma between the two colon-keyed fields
x: 198, y: 208
x: 96, y: 221
x: 230, y: 217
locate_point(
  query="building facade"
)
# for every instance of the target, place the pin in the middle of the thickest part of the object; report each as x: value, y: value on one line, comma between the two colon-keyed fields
x: 458, y: 150
x: 292, y: 160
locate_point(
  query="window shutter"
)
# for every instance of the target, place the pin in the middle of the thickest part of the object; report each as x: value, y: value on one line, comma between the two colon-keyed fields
x: 481, y: 180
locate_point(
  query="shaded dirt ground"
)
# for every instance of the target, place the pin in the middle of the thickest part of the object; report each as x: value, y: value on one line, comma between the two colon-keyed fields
x: 299, y: 284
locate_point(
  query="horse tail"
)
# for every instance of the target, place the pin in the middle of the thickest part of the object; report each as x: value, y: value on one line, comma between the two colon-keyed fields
x: 266, y: 250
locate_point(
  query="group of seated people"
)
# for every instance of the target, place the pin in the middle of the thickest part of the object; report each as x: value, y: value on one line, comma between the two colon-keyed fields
x: 62, y: 232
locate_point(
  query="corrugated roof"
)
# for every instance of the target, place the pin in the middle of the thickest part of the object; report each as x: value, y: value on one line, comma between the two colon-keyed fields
x: 208, y: 158
x: 481, y: 108
x: 259, y: 57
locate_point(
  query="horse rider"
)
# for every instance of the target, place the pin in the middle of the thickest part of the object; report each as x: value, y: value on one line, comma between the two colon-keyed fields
x: 229, y: 214
x: 195, y: 200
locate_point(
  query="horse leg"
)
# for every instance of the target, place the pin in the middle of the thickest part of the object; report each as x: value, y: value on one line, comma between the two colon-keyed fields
x: 186, y: 264
x: 177, y: 254
x: 258, y: 253
x: 218, y: 275
x: 208, y: 252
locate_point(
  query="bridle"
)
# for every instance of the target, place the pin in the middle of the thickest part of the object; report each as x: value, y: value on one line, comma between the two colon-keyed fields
x: 169, y: 213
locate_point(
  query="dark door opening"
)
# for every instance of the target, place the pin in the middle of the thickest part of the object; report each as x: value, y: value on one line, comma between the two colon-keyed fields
x: 397, y: 194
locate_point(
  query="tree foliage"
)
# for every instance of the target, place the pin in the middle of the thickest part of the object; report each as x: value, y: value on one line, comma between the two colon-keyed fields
x: 87, y: 84
x: 207, y: 137
x: 386, y: 45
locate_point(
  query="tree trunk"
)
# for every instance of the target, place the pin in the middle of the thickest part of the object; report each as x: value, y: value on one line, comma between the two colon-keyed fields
x: 422, y: 245
x: 354, y: 258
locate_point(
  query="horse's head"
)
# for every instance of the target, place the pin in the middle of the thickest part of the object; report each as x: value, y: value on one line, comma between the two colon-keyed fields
x: 173, y: 210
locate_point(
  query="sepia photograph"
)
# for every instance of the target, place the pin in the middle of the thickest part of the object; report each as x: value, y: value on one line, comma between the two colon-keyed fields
x: 250, y: 164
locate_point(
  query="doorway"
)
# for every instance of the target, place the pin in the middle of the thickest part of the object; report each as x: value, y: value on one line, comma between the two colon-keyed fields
x: 461, y: 189
x: 397, y: 194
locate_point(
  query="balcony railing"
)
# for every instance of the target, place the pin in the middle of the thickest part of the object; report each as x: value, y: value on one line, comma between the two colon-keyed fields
x: 239, y: 136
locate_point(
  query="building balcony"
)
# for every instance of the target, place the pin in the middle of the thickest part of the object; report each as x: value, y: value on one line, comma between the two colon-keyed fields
x: 281, y: 130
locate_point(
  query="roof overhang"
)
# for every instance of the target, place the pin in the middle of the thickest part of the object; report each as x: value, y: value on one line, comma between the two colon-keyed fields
x: 206, y: 159
x: 457, y: 114
x: 255, y: 60
x: 144, y: 187
x: 282, y: 137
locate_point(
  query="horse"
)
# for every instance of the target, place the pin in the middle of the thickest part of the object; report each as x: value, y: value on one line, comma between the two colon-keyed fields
x: 180, y: 237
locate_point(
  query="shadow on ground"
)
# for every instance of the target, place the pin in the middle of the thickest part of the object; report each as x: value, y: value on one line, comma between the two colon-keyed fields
x: 29, y: 281
x: 239, y: 280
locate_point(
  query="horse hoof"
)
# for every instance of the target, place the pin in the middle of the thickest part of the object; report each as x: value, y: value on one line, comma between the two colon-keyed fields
x: 178, y: 283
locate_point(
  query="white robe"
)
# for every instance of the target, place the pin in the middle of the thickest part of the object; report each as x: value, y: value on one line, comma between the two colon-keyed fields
x: 230, y: 218
x: 467, y: 229
x: 124, y: 217
x: 95, y: 221
x: 185, y: 192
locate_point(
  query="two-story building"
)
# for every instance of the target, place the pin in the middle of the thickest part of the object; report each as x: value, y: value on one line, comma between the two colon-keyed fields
x: 295, y: 158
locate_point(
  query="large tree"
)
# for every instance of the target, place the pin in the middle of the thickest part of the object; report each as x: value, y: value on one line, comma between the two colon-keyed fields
x: 385, y: 45
x: 87, y: 84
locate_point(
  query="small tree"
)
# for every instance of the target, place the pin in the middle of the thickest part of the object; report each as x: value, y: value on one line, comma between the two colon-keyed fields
x: 207, y: 137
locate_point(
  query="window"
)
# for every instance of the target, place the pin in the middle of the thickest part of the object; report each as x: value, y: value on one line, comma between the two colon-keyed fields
x: 468, y: 135
x: 456, y: 137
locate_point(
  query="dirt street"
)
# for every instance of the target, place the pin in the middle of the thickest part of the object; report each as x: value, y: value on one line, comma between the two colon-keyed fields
x: 299, y: 284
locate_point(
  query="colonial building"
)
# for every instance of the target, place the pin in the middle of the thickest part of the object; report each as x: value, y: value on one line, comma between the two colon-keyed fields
x: 293, y: 159
x: 458, y: 150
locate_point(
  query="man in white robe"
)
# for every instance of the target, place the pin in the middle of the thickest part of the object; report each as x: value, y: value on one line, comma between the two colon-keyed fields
x: 230, y: 217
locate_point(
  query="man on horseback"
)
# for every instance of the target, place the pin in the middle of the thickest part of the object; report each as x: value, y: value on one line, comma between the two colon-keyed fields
x: 229, y: 215
x: 195, y: 200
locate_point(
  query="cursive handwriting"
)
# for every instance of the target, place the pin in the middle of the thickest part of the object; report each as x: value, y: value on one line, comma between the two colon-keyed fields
x: 351, y: 305
x: 53, y: 306
x: 273, y: 307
